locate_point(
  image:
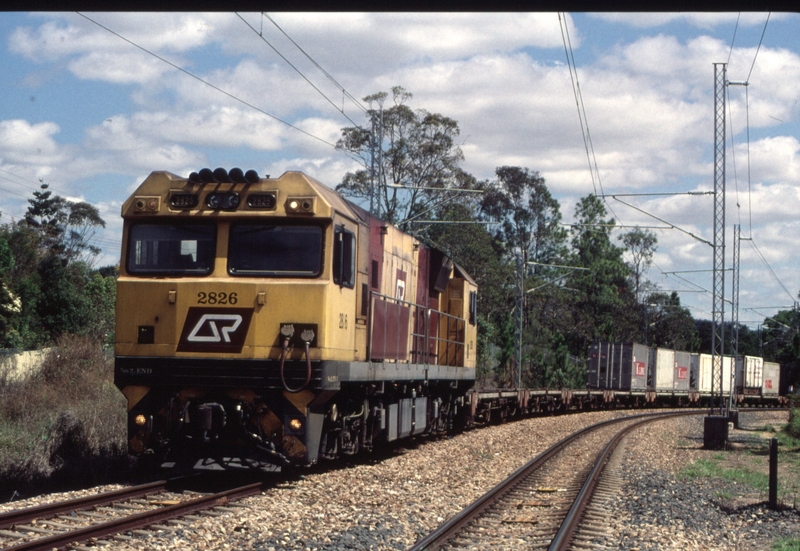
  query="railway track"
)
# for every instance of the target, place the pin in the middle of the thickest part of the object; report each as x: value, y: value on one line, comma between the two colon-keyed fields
x: 553, y: 502
x: 70, y: 524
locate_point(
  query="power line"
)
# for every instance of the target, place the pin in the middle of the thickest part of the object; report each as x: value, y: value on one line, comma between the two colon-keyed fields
x: 771, y: 271
x: 318, y: 66
x: 734, y: 36
x: 763, y: 32
x: 298, y: 71
x: 39, y: 183
x: 217, y: 88
x: 575, y: 91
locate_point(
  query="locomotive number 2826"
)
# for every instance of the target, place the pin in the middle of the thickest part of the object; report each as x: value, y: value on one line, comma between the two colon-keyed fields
x: 217, y: 298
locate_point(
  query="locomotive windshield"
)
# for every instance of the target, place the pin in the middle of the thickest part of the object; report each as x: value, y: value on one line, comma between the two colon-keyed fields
x: 171, y: 249
x: 275, y: 250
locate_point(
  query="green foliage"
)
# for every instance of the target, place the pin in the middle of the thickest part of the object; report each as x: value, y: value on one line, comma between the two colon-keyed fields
x: 711, y: 468
x: 793, y: 428
x: 786, y: 544
x: 529, y: 217
x: 668, y: 324
x: 418, y: 153
x: 641, y: 246
x: 47, y: 285
x: 605, y: 306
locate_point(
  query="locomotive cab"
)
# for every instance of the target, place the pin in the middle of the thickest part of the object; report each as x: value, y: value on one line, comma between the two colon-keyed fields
x: 264, y: 322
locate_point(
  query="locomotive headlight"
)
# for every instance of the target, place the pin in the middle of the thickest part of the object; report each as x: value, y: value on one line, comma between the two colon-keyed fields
x: 213, y: 201
x: 294, y: 205
x: 224, y: 200
x: 140, y: 420
x: 295, y: 424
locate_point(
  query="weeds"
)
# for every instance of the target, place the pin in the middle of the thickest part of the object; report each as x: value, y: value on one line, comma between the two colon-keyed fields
x: 63, y: 427
x: 793, y: 428
x: 712, y: 469
x: 786, y: 544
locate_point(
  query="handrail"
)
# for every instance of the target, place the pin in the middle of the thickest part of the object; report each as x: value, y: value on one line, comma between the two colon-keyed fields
x: 429, y: 333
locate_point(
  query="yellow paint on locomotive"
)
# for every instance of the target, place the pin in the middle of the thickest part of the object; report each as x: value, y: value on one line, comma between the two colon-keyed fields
x: 163, y: 302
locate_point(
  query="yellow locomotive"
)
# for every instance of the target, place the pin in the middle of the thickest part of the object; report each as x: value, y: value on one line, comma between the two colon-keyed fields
x: 265, y: 322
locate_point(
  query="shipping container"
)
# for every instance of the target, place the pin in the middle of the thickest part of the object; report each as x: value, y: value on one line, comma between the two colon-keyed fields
x: 598, y: 372
x: 749, y: 374
x: 683, y: 366
x: 694, y: 373
x: 705, y: 374
x: 661, y: 369
x: 617, y: 366
x: 771, y: 379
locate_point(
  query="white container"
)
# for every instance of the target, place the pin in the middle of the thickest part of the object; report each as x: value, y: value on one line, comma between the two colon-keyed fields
x: 705, y: 378
x: 749, y: 374
x: 772, y: 379
x: 683, y: 366
x: 662, y: 369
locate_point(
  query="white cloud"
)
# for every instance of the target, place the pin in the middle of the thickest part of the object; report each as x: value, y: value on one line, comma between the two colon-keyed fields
x: 29, y: 144
x: 699, y: 20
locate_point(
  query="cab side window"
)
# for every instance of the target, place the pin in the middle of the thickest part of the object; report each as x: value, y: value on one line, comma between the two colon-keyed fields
x: 344, y: 257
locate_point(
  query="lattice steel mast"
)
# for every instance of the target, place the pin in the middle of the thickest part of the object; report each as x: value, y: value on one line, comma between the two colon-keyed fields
x: 737, y: 243
x: 718, y: 311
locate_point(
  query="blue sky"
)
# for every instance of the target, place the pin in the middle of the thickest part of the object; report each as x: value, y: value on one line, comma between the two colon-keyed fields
x: 92, y: 114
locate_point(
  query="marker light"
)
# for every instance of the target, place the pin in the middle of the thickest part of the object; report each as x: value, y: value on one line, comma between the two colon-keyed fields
x: 140, y: 420
x: 147, y: 204
x: 300, y: 205
x: 295, y: 424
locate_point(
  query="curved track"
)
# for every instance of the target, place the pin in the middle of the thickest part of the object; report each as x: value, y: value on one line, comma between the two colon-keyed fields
x: 540, y: 506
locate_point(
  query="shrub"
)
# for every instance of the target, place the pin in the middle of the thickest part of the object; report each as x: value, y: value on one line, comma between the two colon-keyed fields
x: 63, y: 427
x: 793, y: 428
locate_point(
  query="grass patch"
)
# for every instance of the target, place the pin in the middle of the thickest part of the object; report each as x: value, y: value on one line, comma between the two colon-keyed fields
x: 64, y: 426
x: 710, y: 468
x: 787, y: 544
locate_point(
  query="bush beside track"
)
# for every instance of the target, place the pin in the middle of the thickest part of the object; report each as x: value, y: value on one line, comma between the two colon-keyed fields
x: 793, y: 427
x: 64, y: 427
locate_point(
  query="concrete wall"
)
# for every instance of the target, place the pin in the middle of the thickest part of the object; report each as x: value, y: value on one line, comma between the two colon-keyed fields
x: 17, y: 365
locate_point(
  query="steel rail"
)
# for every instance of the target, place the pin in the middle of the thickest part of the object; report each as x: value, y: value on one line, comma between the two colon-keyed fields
x: 571, y: 522
x: 140, y: 520
x: 50, y: 510
x: 445, y: 531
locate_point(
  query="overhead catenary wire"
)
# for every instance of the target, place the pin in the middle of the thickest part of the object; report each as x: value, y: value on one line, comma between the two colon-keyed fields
x: 215, y: 87
x: 347, y: 94
x: 771, y: 271
x: 297, y: 70
x: 763, y: 32
x: 735, y: 28
x: 576, y: 90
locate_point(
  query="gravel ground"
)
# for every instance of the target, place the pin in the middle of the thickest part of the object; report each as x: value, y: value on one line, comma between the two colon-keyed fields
x: 661, y: 510
x: 391, y: 503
